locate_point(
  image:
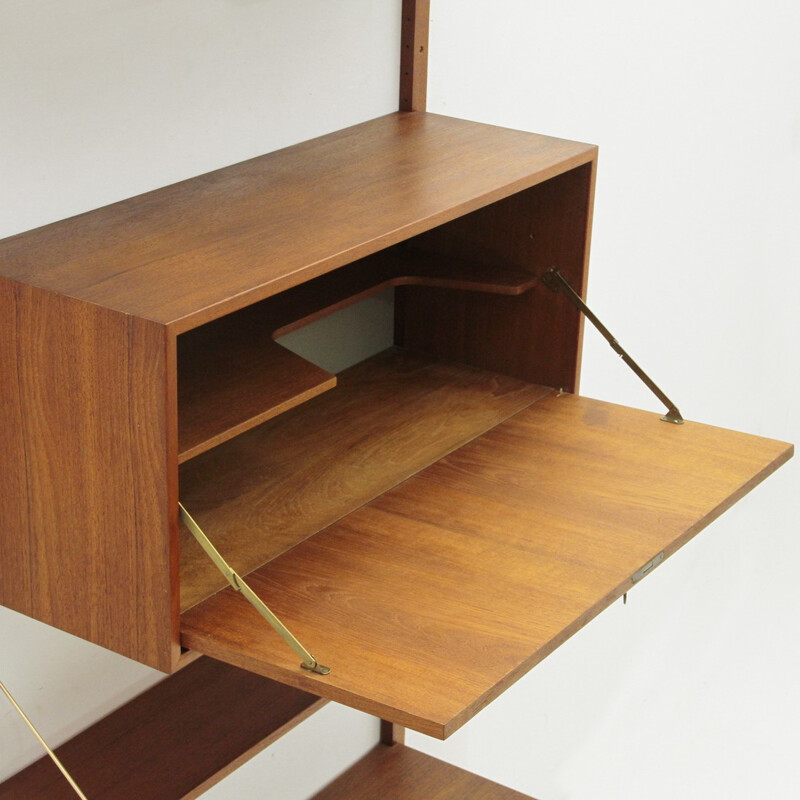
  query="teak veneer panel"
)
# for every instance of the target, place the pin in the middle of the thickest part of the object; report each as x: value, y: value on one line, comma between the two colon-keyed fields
x: 414, y: 54
x: 401, y: 773
x: 193, y: 251
x: 232, y: 385
x: 435, y: 597
x: 14, y: 553
x: 85, y: 540
x: 233, y: 376
x: 538, y: 340
x: 174, y: 741
x: 389, y: 417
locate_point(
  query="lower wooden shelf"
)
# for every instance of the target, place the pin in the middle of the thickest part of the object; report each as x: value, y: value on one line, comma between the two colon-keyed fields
x: 400, y: 773
x: 174, y: 741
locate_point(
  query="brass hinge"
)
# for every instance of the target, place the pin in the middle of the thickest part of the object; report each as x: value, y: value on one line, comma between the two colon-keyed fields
x: 42, y: 742
x: 555, y: 281
x: 240, y: 585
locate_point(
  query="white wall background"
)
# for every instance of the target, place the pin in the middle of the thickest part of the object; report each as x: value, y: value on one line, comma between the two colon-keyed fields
x: 689, y: 691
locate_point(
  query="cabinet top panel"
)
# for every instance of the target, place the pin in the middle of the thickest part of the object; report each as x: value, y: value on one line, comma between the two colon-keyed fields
x: 193, y: 251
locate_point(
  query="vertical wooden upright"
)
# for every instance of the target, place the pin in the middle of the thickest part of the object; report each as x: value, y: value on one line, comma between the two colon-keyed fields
x: 414, y: 55
x: 413, y: 97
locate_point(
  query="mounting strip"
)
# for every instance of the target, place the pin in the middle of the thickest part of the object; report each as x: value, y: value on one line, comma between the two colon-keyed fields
x: 555, y: 281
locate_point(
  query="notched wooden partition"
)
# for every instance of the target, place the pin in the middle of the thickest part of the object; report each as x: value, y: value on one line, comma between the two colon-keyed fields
x: 232, y: 375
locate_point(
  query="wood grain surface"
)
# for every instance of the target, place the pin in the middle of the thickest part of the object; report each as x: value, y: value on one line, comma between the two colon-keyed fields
x: 88, y: 534
x: 414, y: 55
x: 401, y: 773
x: 391, y: 416
x: 232, y: 376
x: 432, y: 599
x: 391, y: 733
x: 15, y: 544
x: 174, y: 741
x: 193, y: 251
x: 536, y: 337
x: 232, y: 384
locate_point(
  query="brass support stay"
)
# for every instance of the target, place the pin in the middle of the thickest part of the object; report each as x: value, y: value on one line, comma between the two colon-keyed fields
x: 238, y: 583
x: 43, y: 743
x: 555, y: 281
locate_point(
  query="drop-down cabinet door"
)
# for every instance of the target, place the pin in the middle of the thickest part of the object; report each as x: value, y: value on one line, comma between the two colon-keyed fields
x: 432, y: 598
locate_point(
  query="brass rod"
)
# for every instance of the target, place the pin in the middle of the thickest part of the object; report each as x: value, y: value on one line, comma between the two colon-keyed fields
x: 555, y: 281
x: 43, y: 743
x: 239, y: 584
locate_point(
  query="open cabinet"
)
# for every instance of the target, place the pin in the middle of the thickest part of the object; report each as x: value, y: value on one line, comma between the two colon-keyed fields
x: 430, y: 523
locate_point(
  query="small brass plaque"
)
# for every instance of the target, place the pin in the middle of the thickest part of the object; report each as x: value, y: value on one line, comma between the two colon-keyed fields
x: 647, y: 568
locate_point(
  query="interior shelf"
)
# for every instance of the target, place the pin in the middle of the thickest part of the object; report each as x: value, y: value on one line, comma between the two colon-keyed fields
x: 400, y: 773
x: 225, y: 389
x: 261, y: 493
x: 402, y: 265
x: 431, y: 599
x: 232, y: 375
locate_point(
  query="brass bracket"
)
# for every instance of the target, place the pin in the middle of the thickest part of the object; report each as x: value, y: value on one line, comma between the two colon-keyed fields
x: 42, y: 742
x: 238, y: 583
x: 556, y: 282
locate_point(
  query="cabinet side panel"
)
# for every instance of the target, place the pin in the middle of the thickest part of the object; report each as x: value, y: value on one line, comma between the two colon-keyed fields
x: 534, y: 336
x: 154, y: 447
x: 93, y: 403
x: 15, y: 575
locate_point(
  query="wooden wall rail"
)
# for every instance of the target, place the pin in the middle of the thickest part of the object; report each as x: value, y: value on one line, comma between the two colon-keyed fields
x: 414, y: 55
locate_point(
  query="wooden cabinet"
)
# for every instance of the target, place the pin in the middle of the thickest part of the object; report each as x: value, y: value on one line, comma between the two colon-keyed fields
x: 430, y: 523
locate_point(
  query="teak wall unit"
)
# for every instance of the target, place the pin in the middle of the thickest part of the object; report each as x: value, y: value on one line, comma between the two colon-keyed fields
x: 430, y: 524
